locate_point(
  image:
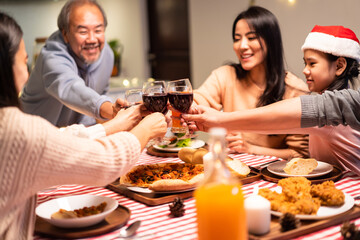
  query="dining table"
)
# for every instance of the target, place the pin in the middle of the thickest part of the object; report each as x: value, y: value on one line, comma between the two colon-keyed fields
x: 156, y: 221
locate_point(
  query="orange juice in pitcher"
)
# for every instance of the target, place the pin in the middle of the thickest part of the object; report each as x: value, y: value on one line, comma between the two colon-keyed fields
x: 219, y: 199
x: 220, y: 212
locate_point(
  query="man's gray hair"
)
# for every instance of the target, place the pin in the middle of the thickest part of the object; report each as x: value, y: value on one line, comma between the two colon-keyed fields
x: 63, y: 21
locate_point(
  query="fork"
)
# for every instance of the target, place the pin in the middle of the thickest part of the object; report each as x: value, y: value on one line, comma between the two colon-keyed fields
x: 257, y: 168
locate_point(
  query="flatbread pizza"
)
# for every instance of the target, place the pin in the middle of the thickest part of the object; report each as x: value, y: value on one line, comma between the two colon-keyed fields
x: 165, y: 176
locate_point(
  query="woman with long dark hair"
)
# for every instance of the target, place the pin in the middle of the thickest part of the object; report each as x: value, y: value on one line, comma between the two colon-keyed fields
x: 257, y: 80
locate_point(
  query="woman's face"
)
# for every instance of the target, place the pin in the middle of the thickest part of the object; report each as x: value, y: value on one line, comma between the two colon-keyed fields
x: 247, y: 46
x: 20, y: 69
x: 319, y: 71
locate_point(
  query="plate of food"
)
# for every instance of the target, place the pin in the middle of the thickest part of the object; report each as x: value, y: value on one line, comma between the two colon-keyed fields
x: 307, y: 201
x: 173, y: 142
x: 179, y: 144
x: 76, y: 211
x: 164, y: 177
x: 325, y: 211
x: 300, y: 167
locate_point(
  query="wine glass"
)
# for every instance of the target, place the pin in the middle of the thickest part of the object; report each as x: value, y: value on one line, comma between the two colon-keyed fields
x: 155, y: 96
x: 133, y: 97
x: 180, y: 97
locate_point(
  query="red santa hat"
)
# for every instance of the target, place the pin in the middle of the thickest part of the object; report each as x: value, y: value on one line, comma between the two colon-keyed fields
x: 336, y: 40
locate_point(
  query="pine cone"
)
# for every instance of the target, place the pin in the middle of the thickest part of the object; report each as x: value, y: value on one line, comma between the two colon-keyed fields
x: 349, y: 231
x: 288, y: 221
x: 177, y: 208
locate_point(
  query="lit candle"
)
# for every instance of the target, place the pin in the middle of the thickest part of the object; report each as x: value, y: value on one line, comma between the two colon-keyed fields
x: 258, y: 214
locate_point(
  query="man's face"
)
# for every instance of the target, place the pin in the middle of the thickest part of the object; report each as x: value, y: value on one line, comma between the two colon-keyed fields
x: 86, y: 35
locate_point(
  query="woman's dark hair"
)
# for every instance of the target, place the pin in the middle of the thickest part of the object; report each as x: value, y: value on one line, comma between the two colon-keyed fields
x: 10, y: 38
x: 351, y: 71
x: 266, y: 27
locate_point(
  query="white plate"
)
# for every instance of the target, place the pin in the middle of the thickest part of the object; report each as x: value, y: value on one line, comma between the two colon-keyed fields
x: 46, y: 209
x: 146, y: 190
x: 322, y: 168
x: 325, y: 212
x: 195, y: 143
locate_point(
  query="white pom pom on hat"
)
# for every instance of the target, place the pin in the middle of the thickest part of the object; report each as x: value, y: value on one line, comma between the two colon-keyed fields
x: 336, y: 40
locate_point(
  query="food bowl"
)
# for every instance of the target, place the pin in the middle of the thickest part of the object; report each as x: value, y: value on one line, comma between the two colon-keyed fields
x: 46, y: 209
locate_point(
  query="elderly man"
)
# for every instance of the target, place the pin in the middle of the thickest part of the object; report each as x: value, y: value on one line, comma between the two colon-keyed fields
x: 71, y: 75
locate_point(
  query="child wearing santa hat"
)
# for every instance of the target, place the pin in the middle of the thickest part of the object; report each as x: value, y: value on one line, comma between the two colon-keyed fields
x: 331, y: 57
x: 334, y: 53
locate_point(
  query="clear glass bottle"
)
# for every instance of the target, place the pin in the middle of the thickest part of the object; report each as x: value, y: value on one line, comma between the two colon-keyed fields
x: 219, y: 199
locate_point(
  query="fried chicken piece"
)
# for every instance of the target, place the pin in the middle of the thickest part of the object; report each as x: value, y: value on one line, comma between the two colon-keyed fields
x: 295, y: 188
x: 299, y: 197
x: 328, y: 194
x: 277, y: 200
x: 308, y: 206
x: 295, y: 197
x: 268, y: 194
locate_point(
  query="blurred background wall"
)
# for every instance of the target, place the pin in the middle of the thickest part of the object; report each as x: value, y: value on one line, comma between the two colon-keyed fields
x: 210, y: 23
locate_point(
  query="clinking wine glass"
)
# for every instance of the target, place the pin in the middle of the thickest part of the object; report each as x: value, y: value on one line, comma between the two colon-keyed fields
x: 133, y: 97
x: 180, y: 97
x: 155, y: 98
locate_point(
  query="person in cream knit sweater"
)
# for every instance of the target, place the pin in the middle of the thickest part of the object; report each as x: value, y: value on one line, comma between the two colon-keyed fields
x: 35, y: 155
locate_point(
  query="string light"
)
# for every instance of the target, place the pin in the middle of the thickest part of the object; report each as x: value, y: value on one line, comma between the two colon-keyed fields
x: 292, y: 1
x: 126, y: 82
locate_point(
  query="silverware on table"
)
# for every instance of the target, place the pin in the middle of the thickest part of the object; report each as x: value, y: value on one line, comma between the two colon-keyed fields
x: 130, y: 231
x: 258, y: 168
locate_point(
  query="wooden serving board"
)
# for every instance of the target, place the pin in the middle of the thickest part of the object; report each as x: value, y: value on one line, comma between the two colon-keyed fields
x: 334, y: 175
x: 114, y: 220
x: 151, y: 199
x: 154, y: 199
x: 307, y: 226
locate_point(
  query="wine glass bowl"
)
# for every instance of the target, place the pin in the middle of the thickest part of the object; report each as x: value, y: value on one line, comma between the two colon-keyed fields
x: 155, y: 97
x: 180, y: 97
x: 133, y: 97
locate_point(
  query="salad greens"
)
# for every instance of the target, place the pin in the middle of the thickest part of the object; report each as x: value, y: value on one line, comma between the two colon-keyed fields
x: 179, y: 143
x: 184, y: 142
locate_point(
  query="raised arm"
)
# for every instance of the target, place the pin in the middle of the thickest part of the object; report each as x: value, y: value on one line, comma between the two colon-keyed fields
x: 331, y: 108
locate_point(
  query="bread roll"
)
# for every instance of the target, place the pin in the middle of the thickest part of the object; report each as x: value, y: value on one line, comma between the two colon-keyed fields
x: 190, y: 155
x: 300, y: 166
x: 198, y: 155
x: 186, y: 154
x: 238, y: 168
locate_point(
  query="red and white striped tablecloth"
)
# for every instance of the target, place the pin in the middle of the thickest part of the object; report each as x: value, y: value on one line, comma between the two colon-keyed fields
x: 156, y: 223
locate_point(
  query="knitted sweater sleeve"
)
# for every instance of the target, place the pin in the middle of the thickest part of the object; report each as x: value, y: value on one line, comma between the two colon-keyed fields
x: 331, y: 108
x: 39, y: 156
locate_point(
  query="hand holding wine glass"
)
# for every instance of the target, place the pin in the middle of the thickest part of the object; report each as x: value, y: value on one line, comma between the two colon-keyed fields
x: 133, y: 97
x: 180, y: 97
x: 155, y: 99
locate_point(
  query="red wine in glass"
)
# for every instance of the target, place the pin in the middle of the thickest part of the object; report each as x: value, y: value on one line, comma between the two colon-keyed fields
x: 181, y: 101
x: 156, y: 102
x: 180, y: 97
